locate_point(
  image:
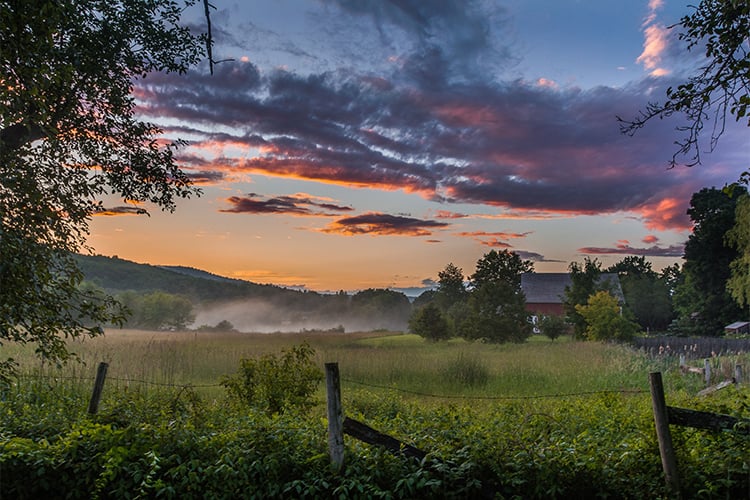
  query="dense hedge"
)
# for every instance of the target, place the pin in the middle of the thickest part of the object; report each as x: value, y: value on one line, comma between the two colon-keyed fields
x: 175, y: 445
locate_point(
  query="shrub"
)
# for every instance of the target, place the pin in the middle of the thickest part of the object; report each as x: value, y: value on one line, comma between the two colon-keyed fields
x: 275, y: 383
x: 553, y: 326
x: 466, y: 371
x: 428, y: 322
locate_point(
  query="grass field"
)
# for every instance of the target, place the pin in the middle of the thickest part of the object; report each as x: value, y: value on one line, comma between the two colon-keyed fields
x: 373, y: 360
x: 541, y: 419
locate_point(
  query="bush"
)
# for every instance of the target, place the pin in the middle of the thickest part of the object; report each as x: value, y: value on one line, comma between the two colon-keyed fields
x: 467, y: 371
x: 276, y: 383
x: 553, y: 326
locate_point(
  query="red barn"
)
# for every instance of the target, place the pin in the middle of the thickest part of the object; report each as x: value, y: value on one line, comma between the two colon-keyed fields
x: 545, y: 292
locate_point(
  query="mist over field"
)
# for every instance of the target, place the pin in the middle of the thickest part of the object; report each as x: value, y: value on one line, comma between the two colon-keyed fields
x: 261, y: 316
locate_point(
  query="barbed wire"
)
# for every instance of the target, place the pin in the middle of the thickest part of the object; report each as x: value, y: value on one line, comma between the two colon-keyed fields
x: 366, y: 384
x: 117, y: 379
x: 497, y: 398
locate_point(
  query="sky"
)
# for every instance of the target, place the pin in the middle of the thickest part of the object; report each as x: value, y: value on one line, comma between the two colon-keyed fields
x: 353, y: 144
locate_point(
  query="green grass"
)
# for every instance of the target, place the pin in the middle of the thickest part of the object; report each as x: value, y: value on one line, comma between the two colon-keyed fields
x: 378, y: 361
x: 541, y: 419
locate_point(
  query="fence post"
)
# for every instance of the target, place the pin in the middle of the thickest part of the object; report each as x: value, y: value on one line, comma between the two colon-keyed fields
x: 335, y: 416
x: 96, y: 394
x: 738, y: 373
x: 666, y: 450
x: 707, y: 370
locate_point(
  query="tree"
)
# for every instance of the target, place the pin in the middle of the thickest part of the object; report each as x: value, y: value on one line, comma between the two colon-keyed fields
x: 451, y: 288
x: 382, y: 308
x: 647, y: 295
x: 584, y: 283
x: 495, y: 267
x: 451, y: 295
x: 702, y: 300
x: 720, y: 86
x: 496, y: 309
x: 738, y: 237
x: 428, y: 322
x: 69, y: 136
x: 604, y: 320
x: 156, y: 310
x: 495, y: 312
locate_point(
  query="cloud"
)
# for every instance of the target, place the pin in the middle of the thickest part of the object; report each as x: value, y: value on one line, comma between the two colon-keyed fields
x: 121, y: 210
x: 529, y: 151
x: 298, y: 204
x: 440, y: 39
x: 624, y: 248
x: 534, y: 257
x: 447, y: 214
x: 493, y: 239
x: 379, y: 224
x: 655, y: 43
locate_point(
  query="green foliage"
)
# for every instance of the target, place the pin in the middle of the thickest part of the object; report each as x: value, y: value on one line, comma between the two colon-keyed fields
x: 171, y: 443
x: 276, y: 383
x: 382, y: 308
x: 738, y: 283
x: 69, y: 136
x: 648, y: 295
x: 584, y: 279
x: 157, y: 310
x: 428, y: 322
x: 466, y: 371
x: 552, y: 326
x: 451, y: 289
x: 604, y: 319
x: 702, y: 298
x: 504, y: 266
x: 496, y: 313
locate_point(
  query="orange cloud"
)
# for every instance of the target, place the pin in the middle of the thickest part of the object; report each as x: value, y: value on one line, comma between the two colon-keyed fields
x: 379, y: 224
x: 666, y: 214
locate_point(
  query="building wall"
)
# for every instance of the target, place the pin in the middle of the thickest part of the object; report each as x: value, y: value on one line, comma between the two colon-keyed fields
x: 548, y: 309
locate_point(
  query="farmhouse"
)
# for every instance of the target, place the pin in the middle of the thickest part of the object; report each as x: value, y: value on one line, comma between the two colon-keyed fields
x: 545, y: 292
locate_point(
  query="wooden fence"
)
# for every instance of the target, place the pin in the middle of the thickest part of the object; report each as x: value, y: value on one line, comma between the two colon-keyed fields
x: 664, y: 416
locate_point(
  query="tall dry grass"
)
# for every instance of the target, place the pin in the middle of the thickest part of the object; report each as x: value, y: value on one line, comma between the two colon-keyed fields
x: 376, y: 361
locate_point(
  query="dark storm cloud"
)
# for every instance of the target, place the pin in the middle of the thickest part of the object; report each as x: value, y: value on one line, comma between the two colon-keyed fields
x: 624, y: 248
x: 449, y: 38
x: 384, y: 224
x: 534, y: 257
x: 290, y: 205
x: 517, y: 146
x: 121, y: 210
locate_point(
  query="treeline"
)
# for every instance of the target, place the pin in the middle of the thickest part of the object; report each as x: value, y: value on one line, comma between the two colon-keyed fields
x: 709, y: 291
x: 699, y: 298
x: 159, y: 298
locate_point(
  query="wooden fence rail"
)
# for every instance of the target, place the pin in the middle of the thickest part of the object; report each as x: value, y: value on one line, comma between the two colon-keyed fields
x: 664, y: 416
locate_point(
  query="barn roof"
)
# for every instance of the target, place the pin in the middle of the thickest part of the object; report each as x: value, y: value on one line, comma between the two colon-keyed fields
x: 549, y: 288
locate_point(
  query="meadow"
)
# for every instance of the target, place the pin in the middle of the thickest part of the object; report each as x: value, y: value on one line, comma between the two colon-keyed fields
x: 540, y: 419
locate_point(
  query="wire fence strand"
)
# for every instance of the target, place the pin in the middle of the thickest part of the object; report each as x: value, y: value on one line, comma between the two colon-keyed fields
x: 632, y: 391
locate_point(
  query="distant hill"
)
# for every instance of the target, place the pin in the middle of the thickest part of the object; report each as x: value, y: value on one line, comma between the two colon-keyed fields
x: 199, y: 273
x: 249, y: 306
x: 116, y: 275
